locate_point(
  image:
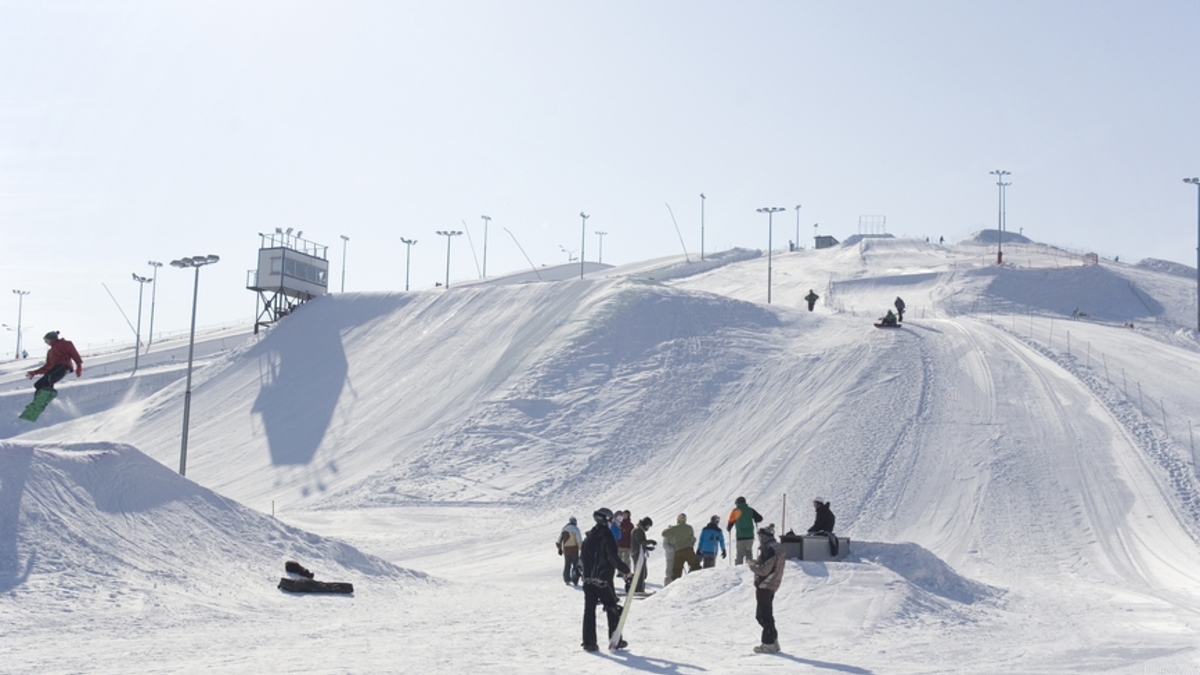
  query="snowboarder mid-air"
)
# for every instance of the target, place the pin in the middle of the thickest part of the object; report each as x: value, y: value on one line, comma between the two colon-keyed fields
x: 60, y: 360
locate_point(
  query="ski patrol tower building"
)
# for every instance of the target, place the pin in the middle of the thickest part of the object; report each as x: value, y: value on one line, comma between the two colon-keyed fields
x: 291, y: 271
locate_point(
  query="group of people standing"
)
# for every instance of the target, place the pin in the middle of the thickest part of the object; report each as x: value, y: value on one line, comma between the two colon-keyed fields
x: 615, y: 544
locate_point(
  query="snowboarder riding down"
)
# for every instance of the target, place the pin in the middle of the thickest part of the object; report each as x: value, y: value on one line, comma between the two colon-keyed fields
x: 812, y: 298
x: 60, y: 360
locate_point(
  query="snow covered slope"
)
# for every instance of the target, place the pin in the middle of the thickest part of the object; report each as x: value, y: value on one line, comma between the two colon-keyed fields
x: 1018, y: 478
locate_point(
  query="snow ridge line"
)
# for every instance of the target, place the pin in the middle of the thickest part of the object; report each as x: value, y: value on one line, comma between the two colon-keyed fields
x: 1154, y: 443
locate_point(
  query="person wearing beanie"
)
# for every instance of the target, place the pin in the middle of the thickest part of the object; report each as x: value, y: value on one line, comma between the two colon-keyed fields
x: 640, y: 546
x: 711, y: 539
x: 600, y: 561
x: 768, y: 573
x: 744, y: 519
x: 60, y: 360
x: 569, y: 539
x: 825, y: 518
x: 682, y: 539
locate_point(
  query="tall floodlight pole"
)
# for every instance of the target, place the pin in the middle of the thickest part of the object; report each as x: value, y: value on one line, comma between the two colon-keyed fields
x: 797, y: 227
x: 344, y: 240
x: 1000, y: 174
x: 448, y: 234
x: 701, y: 226
x: 486, y: 220
x: 582, y: 241
x: 770, y: 211
x: 408, y: 243
x: 1196, y: 182
x: 20, y: 305
x: 153, y: 294
x: 137, y: 345
x: 600, y: 235
x: 183, y: 263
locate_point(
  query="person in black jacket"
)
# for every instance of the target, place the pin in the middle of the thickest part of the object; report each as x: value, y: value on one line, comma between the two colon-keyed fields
x: 600, y: 561
x: 824, y: 522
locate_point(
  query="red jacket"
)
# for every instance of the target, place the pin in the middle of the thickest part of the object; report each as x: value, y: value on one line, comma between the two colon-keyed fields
x: 61, y: 352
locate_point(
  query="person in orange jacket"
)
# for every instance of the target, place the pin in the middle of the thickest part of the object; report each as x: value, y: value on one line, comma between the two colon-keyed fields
x: 60, y: 360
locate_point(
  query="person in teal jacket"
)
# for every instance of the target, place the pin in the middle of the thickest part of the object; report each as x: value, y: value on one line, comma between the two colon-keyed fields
x: 744, y: 519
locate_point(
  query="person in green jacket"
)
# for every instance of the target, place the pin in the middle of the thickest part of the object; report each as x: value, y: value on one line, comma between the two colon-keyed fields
x: 745, y: 519
x: 682, y: 538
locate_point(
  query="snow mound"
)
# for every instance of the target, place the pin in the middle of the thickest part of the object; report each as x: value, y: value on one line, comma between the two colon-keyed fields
x: 1167, y: 267
x: 1094, y: 291
x: 90, y: 522
x: 994, y: 236
x: 922, y: 569
x: 563, y: 424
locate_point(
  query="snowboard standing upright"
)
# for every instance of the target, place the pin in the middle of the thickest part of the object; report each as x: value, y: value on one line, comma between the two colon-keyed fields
x: 616, y: 636
x: 41, y: 399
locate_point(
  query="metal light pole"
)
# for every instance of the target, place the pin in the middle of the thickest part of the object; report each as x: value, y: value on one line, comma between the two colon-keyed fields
x: 137, y: 345
x: 20, y: 306
x: 1000, y: 174
x: 448, y: 234
x: 770, y: 211
x: 183, y: 263
x: 344, y: 240
x: 407, y: 258
x: 153, y: 294
x: 797, y: 227
x: 486, y: 220
x: 702, y: 227
x: 1196, y: 182
x: 582, y: 241
x: 601, y: 236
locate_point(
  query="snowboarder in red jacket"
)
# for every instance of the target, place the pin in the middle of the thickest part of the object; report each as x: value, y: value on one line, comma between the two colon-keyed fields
x: 60, y: 360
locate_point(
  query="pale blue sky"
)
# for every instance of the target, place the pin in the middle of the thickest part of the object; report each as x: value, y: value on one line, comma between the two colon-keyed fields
x: 150, y: 131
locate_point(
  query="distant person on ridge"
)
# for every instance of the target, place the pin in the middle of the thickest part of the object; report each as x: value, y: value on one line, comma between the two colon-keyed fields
x: 812, y: 298
x: 600, y: 562
x: 711, y: 538
x: 768, y: 573
x: 683, y: 540
x: 825, y: 518
x: 569, y: 540
x: 899, y: 309
x: 744, y: 519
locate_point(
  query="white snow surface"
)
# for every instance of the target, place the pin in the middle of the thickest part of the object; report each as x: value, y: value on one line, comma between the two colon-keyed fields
x: 1015, y: 468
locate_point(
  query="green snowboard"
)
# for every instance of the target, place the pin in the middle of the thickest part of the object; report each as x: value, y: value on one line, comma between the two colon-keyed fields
x: 40, y: 400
